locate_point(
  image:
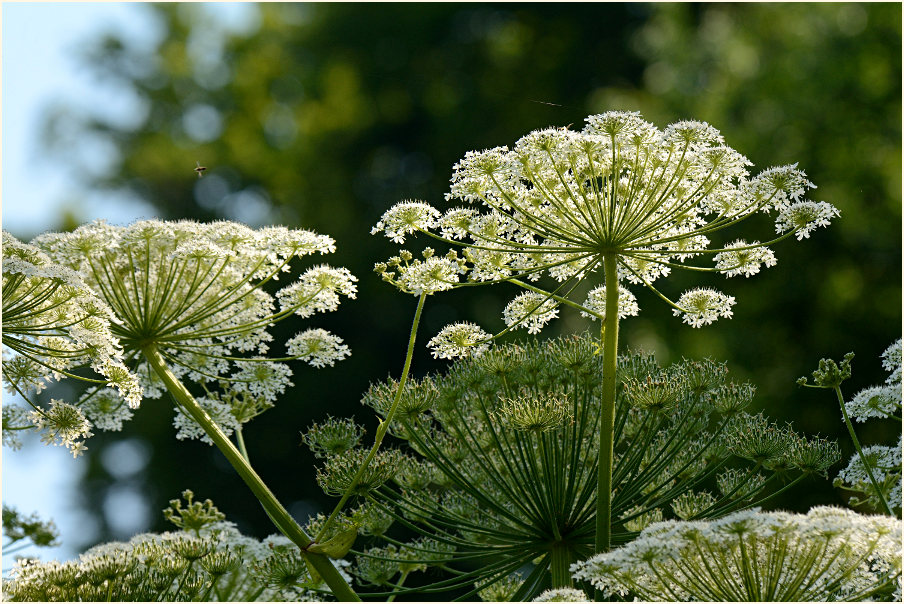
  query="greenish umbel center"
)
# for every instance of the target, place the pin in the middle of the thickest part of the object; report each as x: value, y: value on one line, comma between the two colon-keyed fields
x: 497, y: 469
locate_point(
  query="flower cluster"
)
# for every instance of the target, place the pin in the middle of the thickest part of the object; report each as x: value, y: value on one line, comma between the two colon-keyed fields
x: 530, y: 310
x: 596, y: 303
x: 754, y: 556
x: 195, y: 293
x: 459, y: 340
x: 427, y: 276
x: 205, y: 560
x: 560, y: 202
x: 562, y: 594
x: 880, y: 401
x: 883, y: 462
x: 512, y: 432
x: 53, y: 325
x: 534, y: 414
x: 885, y: 465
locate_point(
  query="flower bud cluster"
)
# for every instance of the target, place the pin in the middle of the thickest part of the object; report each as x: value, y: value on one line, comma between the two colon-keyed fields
x: 528, y: 413
x: 338, y: 474
x: 332, y: 437
x: 501, y: 437
x: 830, y: 374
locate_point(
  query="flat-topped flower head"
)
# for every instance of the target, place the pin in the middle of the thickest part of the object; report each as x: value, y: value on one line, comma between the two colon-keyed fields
x: 596, y: 303
x: 459, y: 340
x: 702, y: 306
x: 743, y: 259
x: 195, y: 293
x: 405, y: 218
x: 531, y: 311
x: 559, y: 202
x: 317, y: 347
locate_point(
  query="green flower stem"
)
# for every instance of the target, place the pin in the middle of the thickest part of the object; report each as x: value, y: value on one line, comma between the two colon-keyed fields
x: 398, y: 585
x: 559, y: 561
x: 275, y: 510
x: 866, y: 467
x: 384, y: 424
x: 240, y: 440
x: 607, y: 414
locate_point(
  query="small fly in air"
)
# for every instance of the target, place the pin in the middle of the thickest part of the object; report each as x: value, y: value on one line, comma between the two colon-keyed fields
x: 200, y: 169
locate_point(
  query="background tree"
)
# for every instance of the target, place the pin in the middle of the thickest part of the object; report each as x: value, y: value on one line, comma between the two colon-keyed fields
x: 323, y: 115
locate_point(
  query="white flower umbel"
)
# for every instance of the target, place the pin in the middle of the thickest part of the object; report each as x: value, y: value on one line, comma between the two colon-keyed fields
x: 703, y: 305
x: 53, y: 327
x: 405, y: 218
x: 190, y: 305
x: 744, y: 259
x: 560, y: 201
x: 195, y: 293
x: 531, y: 311
x: 64, y: 425
x: 875, y: 401
x: 562, y: 594
x: 318, y: 347
x: 827, y: 554
x: 885, y: 464
x: 623, y: 196
x: 596, y: 302
x: 459, y: 340
x: 803, y: 217
x: 891, y: 362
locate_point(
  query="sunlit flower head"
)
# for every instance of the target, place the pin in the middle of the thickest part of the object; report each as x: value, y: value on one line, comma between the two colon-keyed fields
x: 531, y: 311
x: 702, y: 306
x: 196, y: 294
x: 54, y: 326
x: 317, y: 347
x: 596, y: 302
x: 559, y: 202
x: 459, y: 340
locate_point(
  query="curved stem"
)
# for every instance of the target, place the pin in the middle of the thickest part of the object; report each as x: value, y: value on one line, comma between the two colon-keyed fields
x: 607, y: 414
x: 866, y: 467
x: 275, y: 510
x: 384, y: 423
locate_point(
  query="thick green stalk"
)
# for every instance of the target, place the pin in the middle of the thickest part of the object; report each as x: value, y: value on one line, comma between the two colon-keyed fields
x: 278, y: 514
x: 559, y: 561
x: 866, y: 467
x: 607, y: 412
x: 384, y: 423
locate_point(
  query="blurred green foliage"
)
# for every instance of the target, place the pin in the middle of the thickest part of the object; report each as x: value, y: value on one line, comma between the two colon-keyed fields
x: 323, y: 115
